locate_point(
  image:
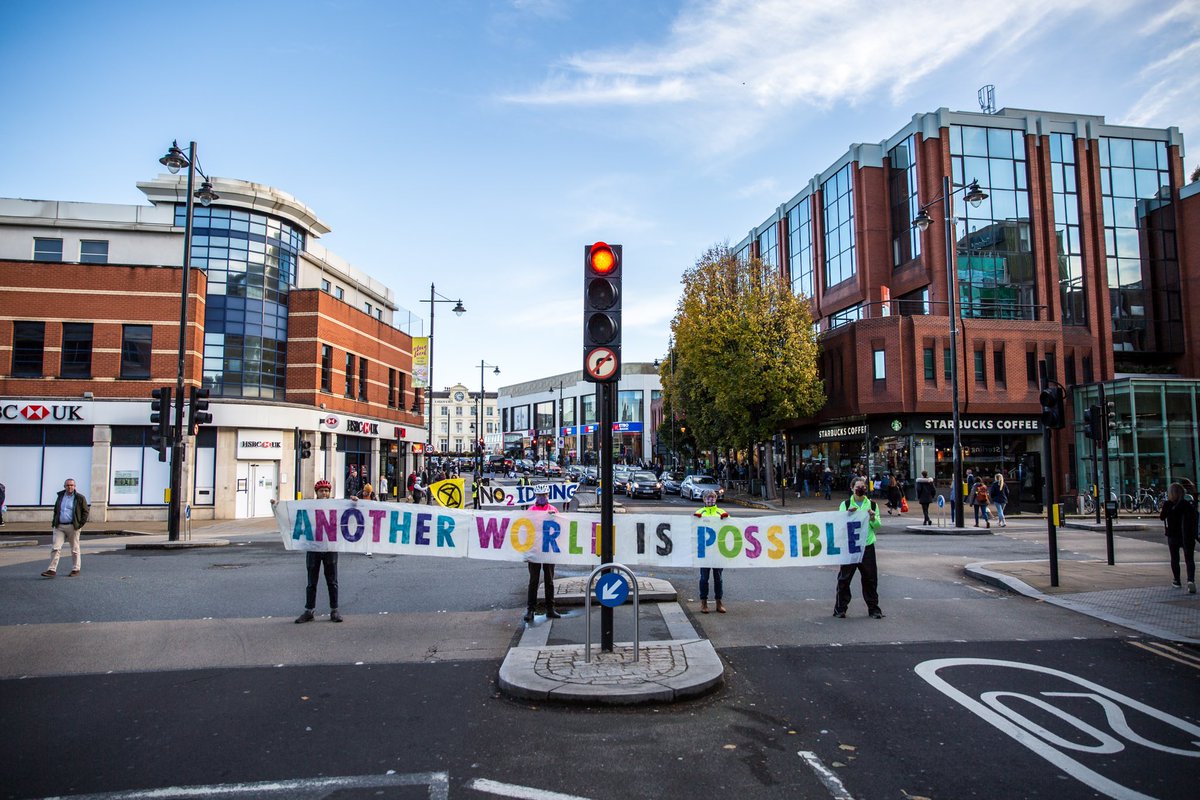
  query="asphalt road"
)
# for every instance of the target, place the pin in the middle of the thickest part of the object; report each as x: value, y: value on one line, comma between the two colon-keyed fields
x: 184, y: 669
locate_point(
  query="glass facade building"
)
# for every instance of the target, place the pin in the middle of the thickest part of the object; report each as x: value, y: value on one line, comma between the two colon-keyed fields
x: 251, y: 261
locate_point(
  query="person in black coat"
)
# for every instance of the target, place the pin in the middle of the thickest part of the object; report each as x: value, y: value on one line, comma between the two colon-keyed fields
x: 925, y: 493
x: 1179, y: 518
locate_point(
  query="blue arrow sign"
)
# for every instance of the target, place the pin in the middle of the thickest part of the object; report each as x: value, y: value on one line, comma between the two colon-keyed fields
x: 612, y: 590
x: 941, y: 501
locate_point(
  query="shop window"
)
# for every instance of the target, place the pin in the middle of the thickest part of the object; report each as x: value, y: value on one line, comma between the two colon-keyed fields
x: 76, y: 350
x: 29, y: 340
x: 135, y: 351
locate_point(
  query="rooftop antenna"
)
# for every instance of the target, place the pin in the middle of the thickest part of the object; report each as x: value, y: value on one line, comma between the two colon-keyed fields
x: 987, y: 99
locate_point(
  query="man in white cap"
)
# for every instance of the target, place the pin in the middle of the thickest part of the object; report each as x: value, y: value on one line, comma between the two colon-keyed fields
x: 541, y: 505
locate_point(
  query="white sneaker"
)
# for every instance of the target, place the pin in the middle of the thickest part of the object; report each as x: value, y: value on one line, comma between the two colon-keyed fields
x: 1191, y: 587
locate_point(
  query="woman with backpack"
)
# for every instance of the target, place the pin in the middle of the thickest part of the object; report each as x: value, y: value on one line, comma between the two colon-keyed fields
x: 998, y: 492
x: 980, y: 499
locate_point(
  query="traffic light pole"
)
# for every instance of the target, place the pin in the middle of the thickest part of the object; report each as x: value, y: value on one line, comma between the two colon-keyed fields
x: 607, y: 401
x: 1048, y: 483
x: 296, y: 450
x: 1109, y: 511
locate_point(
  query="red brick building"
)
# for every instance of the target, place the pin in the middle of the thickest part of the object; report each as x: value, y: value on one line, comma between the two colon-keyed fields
x: 1083, y: 255
x: 286, y: 336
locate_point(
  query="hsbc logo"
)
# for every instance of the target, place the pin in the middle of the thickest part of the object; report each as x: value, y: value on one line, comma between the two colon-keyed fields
x: 362, y: 426
x: 331, y: 421
x: 36, y: 412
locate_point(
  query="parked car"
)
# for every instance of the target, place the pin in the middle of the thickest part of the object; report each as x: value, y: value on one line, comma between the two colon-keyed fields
x: 524, y: 465
x: 552, y: 470
x: 671, y: 481
x: 499, y: 464
x: 643, y: 484
x: 620, y: 476
x: 574, y: 473
x: 590, y: 476
x: 694, y: 487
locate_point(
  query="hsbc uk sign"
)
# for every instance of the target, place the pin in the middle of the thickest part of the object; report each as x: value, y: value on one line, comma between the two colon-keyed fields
x: 41, y: 412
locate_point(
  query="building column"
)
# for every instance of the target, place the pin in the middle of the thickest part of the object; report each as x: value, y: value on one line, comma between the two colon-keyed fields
x: 101, y: 466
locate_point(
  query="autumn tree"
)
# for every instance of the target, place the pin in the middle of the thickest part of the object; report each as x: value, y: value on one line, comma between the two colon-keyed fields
x: 745, y: 356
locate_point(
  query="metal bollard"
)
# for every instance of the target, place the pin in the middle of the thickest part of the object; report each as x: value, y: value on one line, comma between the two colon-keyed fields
x: 587, y: 609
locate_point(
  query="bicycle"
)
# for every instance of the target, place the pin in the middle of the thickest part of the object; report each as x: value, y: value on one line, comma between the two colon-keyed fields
x: 1148, y: 501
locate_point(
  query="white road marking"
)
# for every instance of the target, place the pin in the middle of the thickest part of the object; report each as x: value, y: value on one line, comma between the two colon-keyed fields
x: 438, y: 783
x: 1033, y: 737
x: 826, y: 776
x: 520, y: 792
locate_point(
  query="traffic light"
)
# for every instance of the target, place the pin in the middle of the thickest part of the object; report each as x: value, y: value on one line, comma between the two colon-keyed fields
x: 1110, y: 421
x: 305, y: 448
x: 198, y: 413
x: 1053, y: 413
x: 602, y: 312
x: 160, y: 418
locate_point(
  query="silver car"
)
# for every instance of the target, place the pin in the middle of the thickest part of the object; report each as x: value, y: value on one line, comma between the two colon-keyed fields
x: 694, y: 487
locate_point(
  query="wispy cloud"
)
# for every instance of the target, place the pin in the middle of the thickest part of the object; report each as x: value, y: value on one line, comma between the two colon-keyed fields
x: 1172, y: 82
x: 738, y: 65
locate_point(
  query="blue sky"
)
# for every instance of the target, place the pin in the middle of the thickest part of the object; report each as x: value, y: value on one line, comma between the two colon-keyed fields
x: 481, y: 145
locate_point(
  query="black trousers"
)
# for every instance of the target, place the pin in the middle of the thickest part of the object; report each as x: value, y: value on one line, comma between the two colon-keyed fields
x: 1188, y: 545
x: 314, y: 561
x: 870, y: 582
x: 547, y: 571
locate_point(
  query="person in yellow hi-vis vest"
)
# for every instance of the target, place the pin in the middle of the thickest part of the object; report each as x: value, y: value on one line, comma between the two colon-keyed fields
x: 710, y: 510
x: 867, y: 568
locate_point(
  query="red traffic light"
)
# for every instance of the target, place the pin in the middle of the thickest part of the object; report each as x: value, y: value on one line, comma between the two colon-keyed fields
x: 602, y: 259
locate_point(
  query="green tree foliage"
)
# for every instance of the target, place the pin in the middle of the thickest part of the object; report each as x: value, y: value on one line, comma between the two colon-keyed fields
x: 745, y: 354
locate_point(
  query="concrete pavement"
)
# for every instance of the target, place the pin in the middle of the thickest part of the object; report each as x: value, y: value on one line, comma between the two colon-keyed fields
x: 549, y: 663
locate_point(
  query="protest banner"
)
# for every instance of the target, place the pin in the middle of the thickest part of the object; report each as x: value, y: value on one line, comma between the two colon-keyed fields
x: 511, y: 496
x: 646, y: 540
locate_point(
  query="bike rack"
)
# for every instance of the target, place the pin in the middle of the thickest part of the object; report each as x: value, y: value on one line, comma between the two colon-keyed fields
x: 587, y: 608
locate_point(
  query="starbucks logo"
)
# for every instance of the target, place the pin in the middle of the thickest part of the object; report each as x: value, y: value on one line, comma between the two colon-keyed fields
x: 897, y: 425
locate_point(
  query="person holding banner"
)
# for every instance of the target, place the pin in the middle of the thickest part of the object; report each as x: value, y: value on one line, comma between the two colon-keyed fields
x: 541, y: 504
x: 869, y: 570
x: 710, y: 510
x: 314, y: 560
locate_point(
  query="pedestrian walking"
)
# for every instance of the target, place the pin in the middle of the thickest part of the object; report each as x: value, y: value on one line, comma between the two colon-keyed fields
x: 314, y: 562
x: 710, y: 509
x: 541, y: 505
x: 979, y: 500
x: 868, y: 569
x: 925, y: 492
x: 827, y: 483
x: 3, y: 506
x: 894, y: 495
x: 1179, y: 524
x: 71, y: 511
x: 998, y: 493
x: 383, y: 487
x: 353, y: 483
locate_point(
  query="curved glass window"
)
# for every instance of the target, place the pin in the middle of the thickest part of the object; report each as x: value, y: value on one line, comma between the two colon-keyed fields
x: 251, y: 261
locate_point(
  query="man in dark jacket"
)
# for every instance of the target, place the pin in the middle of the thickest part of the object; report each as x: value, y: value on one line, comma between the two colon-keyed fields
x: 70, y: 515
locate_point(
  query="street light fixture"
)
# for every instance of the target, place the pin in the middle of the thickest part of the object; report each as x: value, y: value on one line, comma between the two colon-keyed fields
x: 479, y: 417
x: 973, y: 195
x: 434, y: 299
x: 175, y: 160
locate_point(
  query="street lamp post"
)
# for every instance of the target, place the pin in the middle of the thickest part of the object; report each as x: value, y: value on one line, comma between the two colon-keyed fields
x: 974, y: 195
x: 479, y: 417
x: 434, y: 299
x: 174, y: 161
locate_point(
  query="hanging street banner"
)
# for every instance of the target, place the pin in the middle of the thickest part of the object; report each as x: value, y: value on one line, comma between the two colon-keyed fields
x: 649, y: 540
x: 420, y: 362
x: 512, y: 496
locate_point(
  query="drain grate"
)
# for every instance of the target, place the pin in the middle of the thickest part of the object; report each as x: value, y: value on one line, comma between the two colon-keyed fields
x: 227, y: 566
